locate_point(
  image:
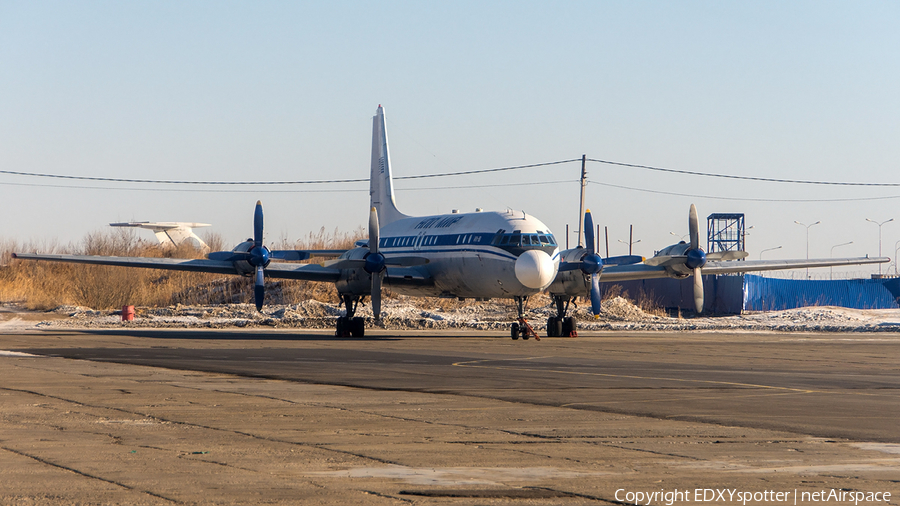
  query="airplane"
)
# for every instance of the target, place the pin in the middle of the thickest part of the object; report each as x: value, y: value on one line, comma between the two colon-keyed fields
x: 169, y: 233
x: 480, y: 255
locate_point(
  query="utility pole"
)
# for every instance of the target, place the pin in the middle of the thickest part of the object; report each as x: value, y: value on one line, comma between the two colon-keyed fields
x: 606, y: 230
x: 630, y: 238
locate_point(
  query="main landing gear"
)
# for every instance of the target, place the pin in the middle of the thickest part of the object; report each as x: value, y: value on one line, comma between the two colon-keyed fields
x: 561, y: 325
x: 522, y: 328
x: 349, y: 325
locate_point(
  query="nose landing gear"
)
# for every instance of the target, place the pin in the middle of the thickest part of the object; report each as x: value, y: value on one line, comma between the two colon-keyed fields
x: 522, y: 328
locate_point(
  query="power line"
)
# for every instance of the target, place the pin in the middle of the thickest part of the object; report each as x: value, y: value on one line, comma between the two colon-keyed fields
x: 322, y: 181
x: 745, y: 199
x: 747, y: 178
x: 207, y: 190
x: 450, y: 174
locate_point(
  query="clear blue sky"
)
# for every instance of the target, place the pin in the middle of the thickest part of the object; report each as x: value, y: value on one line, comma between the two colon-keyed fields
x: 286, y: 91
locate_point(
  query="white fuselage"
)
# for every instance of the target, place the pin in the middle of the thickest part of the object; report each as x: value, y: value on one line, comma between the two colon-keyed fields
x: 475, y: 255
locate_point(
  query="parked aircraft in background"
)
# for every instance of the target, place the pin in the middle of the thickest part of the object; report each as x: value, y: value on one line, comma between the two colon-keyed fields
x: 169, y: 233
x: 480, y: 255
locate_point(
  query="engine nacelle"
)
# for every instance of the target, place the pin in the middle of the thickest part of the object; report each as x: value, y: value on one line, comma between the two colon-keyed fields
x: 684, y: 261
x: 355, y: 281
x: 574, y: 282
x: 243, y: 267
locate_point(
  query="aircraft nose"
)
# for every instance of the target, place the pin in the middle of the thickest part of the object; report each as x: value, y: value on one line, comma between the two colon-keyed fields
x: 535, y: 269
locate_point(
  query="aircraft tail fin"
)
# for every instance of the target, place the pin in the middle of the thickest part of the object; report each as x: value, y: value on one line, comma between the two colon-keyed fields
x: 381, y: 185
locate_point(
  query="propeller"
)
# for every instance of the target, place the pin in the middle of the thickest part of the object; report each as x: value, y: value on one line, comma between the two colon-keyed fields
x: 696, y: 258
x: 591, y: 262
x: 257, y: 256
x: 375, y: 264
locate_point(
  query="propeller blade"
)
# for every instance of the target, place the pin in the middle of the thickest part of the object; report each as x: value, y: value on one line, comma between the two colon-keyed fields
x: 228, y: 256
x: 694, y: 225
x: 258, y: 225
x: 376, y: 295
x: 373, y: 231
x: 259, y: 290
x: 665, y: 260
x: 624, y: 260
x: 698, y: 290
x: 589, y: 232
x: 595, y: 295
x: 727, y: 255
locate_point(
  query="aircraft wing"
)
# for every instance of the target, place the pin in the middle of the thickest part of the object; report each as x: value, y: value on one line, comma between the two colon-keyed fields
x: 732, y: 267
x: 615, y: 273
x: 309, y: 272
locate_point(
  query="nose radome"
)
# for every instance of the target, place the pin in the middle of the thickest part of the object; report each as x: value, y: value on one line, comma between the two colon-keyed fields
x: 535, y: 269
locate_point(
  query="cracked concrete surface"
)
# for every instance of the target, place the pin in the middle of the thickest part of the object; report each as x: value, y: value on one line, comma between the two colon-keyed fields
x: 79, y: 432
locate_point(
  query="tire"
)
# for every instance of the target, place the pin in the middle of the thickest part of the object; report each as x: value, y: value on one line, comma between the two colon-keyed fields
x: 554, y: 327
x: 514, y: 331
x: 357, y: 327
x: 339, y: 330
x: 568, y: 326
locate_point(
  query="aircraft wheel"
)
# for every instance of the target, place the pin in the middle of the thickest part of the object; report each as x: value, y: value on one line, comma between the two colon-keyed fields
x: 568, y: 326
x: 514, y: 331
x: 339, y: 331
x: 357, y: 327
x: 554, y: 326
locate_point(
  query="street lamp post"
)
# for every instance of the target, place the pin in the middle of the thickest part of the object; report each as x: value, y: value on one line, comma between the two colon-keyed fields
x: 807, y: 240
x: 879, y: 237
x: 768, y: 249
x: 630, y: 244
x: 832, y: 255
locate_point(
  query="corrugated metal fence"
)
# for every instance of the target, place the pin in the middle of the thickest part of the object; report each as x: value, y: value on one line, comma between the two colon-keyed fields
x: 767, y: 294
x: 734, y: 294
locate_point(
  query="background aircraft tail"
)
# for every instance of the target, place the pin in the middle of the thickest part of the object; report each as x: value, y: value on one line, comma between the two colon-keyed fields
x: 381, y: 186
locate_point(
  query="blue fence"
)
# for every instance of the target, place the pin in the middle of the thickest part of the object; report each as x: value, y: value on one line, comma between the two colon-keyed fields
x: 766, y: 294
x: 734, y: 294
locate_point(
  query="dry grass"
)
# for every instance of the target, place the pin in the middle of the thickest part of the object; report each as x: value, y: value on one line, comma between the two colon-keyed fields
x: 46, y: 285
x: 647, y: 302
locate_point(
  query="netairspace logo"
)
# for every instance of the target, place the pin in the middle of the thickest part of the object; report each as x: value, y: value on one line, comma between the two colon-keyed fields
x: 742, y: 497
